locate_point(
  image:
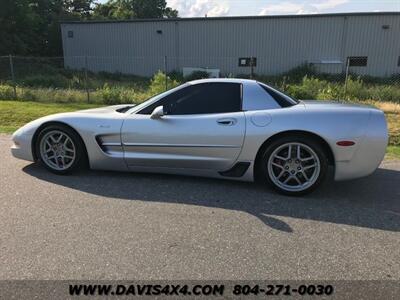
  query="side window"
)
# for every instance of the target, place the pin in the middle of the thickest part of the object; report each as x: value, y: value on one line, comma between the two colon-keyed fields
x: 280, y: 98
x: 205, y: 98
x: 163, y: 101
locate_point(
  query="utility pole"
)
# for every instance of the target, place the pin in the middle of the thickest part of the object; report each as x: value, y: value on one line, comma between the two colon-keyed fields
x: 165, y: 70
x: 13, y: 76
x: 347, y: 75
x: 86, y: 80
x: 251, y: 67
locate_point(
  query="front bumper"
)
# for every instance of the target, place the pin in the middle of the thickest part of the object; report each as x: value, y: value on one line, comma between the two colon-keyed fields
x: 22, y: 147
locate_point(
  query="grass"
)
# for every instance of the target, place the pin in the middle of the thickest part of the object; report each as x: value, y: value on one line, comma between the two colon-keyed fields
x: 392, y: 113
x: 14, y: 114
x: 392, y: 152
x: 50, y: 83
x: 111, y: 92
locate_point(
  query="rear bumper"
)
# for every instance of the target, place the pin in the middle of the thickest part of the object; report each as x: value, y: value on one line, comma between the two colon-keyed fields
x: 369, y: 154
x: 21, y: 147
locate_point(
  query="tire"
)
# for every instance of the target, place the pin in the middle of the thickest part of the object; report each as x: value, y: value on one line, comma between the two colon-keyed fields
x: 298, y: 174
x: 62, y: 156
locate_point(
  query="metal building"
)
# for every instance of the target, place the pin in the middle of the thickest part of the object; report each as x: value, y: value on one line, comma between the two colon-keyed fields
x: 368, y: 42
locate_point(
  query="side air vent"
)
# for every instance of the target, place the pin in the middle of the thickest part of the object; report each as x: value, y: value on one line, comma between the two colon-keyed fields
x: 237, y: 170
x: 110, y: 144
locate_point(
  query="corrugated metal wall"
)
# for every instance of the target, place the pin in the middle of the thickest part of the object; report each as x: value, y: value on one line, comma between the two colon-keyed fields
x: 279, y: 43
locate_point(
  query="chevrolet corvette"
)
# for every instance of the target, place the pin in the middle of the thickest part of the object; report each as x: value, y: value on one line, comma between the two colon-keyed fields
x: 225, y: 128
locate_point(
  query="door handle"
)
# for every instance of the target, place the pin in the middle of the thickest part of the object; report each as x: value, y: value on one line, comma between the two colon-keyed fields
x: 226, y: 121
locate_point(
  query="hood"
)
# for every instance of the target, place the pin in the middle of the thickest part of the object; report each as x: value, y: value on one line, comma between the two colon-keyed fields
x: 31, y: 127
x: 108, y: 109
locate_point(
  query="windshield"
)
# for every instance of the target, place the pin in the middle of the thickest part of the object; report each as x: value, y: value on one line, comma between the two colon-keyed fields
x: 155, y: 98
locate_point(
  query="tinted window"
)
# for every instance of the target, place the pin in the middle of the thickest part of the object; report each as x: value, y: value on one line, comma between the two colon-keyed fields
x: 205, y: 98
x: 282, y: 99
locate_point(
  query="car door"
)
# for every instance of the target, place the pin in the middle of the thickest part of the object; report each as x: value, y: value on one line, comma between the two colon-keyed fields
x: 202, y: 127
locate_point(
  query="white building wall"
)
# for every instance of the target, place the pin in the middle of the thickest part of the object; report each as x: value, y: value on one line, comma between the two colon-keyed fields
x: 279, y: 43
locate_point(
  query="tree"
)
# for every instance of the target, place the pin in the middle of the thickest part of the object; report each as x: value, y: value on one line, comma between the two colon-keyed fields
x: 82, y: 8
x: 132, y: 9
x: 18, y: 27
x: 32, y: 27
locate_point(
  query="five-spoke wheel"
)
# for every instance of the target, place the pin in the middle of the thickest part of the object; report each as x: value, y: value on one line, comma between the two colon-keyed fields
x: 57, y: 150
x: 294, y: 165
x: 60, y: 149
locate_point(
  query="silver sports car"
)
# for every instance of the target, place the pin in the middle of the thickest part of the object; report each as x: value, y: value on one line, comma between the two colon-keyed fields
x: 227, y: 128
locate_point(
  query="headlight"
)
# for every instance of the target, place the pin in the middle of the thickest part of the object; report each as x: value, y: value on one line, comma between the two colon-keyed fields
x: 17, y: 133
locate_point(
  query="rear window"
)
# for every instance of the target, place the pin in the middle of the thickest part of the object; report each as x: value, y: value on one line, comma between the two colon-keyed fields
x: 282, y: 99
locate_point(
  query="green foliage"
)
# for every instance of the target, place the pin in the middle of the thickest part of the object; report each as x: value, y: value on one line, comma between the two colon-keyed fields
x: 385, y: 93
x: 70, y: 87
x: 197, y: 75
x: 18, y: 22
x: 331, y: 92
x: 177, y: 76
x: 117, y: 95
x: 6, y: 92
x: 32, y: 27
x: 45, y: 81
x: 308, y: 89
x: 393, y: 152
x: 130, y: 9
x: 157, y: 84
x: 353, y: 90
x: 297, y: 74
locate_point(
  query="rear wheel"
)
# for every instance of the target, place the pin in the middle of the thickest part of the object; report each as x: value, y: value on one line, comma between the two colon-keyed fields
x: 294, y: 165
x: 60, y: 149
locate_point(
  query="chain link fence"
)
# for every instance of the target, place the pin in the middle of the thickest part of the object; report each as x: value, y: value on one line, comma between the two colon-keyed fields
x: 133, y: 79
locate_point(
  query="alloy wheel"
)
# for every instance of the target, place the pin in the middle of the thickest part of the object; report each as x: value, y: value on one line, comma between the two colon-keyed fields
x: 293, y: 167
x: 57, y: 150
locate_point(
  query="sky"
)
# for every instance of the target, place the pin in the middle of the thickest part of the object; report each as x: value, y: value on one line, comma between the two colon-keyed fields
x: 213, y: 8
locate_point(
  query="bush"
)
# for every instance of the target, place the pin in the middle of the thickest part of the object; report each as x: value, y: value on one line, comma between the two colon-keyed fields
x: 197, y: 75
x: 6, y: 92
x: 28, y: 95
x: 117, y: 95
x: 332, y: 92
x: 297, y: 74
x: 177, y: 76
x: 47, y: 81
x: 355, y: 90
x: 308, y: 89
x: 157, y: 84
x: 51, y: 95
x: 385, y: 93
x: 77, y: 82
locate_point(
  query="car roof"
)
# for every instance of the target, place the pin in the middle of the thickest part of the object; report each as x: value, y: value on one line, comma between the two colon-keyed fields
x: 232, y: 80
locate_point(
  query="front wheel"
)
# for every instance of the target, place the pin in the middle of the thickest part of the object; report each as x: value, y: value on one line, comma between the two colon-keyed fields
x: 60, y: 149
x: 294, y: 165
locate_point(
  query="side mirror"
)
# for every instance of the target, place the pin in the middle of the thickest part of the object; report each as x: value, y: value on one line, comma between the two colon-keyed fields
x: 157, y: 113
